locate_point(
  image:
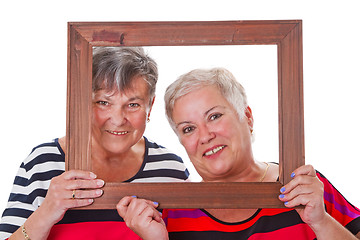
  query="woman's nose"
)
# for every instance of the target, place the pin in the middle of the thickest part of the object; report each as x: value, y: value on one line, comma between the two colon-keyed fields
x: 206, y: 135
x: 118, y: 117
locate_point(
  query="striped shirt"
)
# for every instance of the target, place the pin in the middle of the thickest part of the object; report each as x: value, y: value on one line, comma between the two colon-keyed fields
x: 47, y: 161
x: 264, y: 224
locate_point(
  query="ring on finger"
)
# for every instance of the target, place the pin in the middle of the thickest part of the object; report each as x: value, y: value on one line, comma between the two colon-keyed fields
x: 73, y: 194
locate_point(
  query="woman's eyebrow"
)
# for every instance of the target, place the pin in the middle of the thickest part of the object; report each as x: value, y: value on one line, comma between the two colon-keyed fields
x: 181, y: 123
x: 206, y: 113
x: 136, y: 98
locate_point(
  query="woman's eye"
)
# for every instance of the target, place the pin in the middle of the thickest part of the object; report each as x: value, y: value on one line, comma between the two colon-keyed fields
x: 134, y: 105
x: 215, y: 116
x: 187, y: 129
x: 103, y: 103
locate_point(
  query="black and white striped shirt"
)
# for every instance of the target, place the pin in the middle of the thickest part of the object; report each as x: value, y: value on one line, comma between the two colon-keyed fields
x: 48, y: 160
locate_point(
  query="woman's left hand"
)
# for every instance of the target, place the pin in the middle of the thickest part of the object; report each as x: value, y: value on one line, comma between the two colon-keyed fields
x: 305, y: 189
x: 143, y: 218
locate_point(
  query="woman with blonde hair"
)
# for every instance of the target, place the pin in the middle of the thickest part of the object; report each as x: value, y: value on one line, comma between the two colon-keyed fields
x: 208, y: 111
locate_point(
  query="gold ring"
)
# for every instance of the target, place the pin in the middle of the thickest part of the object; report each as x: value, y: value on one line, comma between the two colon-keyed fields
x: 73, y: 194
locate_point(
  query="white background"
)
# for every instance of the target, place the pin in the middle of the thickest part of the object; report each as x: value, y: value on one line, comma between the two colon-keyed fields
x: 33, y: 42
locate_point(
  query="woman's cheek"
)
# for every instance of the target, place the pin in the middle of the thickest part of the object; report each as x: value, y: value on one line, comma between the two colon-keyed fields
x: 189, y: 144
x: 137, y: 119
x: 99, y: 116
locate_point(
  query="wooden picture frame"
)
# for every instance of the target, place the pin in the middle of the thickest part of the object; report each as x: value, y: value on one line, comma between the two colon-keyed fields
x: 286, y: 34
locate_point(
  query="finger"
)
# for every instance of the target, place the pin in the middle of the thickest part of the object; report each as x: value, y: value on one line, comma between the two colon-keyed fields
x: 75, y: 203
x: 299, y: 180
x: 123, y: 204
x: 79, y: 174
x: 158, y: 216
x: 84, y: 184
x: 304, y: 170
x: 143, y: 202
x: 85, y: 194
x: 297, y: 191
x: 152, y: 214
x: 304, y: 200
x: 153, y: 204
x: 162, y: 222
x: 137, y: 206
x: 143, y: 218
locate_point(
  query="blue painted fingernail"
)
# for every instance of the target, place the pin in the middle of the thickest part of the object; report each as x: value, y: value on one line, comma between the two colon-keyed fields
x: 281, y: 195
x: 282, y: 189
x: 133, y: 196
x: 286, y: 203
x: 292, y: 175
x: 156, y: 203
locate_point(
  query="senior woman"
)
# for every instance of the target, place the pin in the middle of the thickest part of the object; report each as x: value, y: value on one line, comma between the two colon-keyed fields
x: 42, y: 202
x: 209, y: 113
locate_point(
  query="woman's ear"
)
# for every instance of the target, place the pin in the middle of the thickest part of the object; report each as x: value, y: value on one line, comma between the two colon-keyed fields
x: 250, y: 118
x: 150, y: 107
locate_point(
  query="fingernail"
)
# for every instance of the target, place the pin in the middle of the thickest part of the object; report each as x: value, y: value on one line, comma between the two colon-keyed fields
x: 292, y: 175
x: 93, y: 175
x: 133, y: 196
x: 156, y: 203
x: 90, y: 200
x: 286, y: 203
x: 100, y: 182
x: 99, y: 192
x: 281, y: 195
x: 282, y: 189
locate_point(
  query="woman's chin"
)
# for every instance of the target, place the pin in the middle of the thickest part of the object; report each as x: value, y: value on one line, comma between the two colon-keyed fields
x: 216, y: 174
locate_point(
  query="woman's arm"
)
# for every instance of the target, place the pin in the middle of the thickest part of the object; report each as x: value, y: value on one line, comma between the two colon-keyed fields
x: 307, y: 190
x: 329, y: 228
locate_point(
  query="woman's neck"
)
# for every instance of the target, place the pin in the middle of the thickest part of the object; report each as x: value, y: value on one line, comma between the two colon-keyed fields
x: 249, y: 171
x: 117, y: 167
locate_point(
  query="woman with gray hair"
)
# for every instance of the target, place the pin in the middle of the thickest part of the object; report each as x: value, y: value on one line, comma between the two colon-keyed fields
x: 209, y: 113
x: 44, y: 198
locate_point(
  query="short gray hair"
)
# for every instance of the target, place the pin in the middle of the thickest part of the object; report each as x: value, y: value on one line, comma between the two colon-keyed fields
x: 115, y: 67
x: 223, y: 79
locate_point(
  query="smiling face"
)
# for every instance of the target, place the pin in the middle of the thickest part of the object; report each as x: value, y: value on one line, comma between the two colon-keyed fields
x: 217, y: 142
x: 119, y: 118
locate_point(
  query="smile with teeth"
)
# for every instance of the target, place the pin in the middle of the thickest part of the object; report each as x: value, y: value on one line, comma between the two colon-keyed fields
x: 117, y: 133
x: 213, y: 151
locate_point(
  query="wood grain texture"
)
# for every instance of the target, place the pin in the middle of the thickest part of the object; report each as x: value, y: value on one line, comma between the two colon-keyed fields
x: 286, y: 34
x: 203, y: 195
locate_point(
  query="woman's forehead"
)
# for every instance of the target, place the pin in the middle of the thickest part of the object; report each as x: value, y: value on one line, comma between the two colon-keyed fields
x: 200, y: 100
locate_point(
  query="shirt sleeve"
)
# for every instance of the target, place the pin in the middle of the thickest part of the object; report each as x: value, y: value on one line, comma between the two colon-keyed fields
x: 18, y: 208
x: 30, y: 186
x: 339, y: 208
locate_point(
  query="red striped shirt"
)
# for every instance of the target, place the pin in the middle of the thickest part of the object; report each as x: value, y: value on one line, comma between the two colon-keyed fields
x: 264, y: 224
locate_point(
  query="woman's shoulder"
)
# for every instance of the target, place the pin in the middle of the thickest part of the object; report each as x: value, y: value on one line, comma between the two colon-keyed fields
x: 51, y: 145
x: 161, y: 165
x: 152, y: 144
x: 43, y: 154
x: 155, y: 149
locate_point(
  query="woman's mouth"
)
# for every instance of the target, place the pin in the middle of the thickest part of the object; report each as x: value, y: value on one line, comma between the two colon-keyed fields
x: 117, y: 132
x: 213, y: 151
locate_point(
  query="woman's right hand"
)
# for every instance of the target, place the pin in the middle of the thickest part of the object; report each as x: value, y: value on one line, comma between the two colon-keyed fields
x: 72, y: 189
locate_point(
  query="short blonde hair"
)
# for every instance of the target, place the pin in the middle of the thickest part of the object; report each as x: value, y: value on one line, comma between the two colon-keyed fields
x: 223, y: 79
